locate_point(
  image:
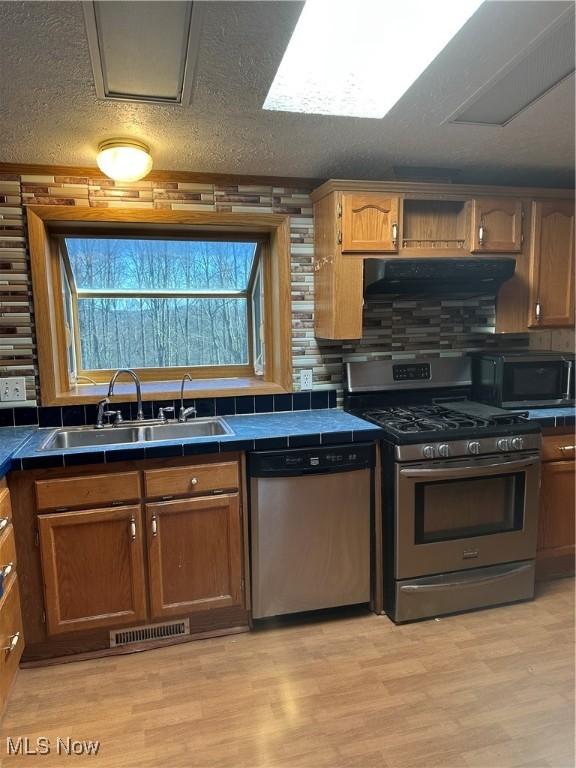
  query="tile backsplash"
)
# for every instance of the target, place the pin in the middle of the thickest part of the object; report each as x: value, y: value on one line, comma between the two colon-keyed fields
x: 79, y: 415
x: 559, y: 340
x: 402, y: 328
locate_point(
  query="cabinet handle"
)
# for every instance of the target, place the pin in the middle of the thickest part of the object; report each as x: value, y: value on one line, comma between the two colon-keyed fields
x: 7, y: 570
x: 194, y: 481
x: 481, y: 233
x: 538, y: 310
x: 566, y: 448
x: 154, y: 523
x: 394, y: 235
x: 3, y: 523
x: 12, y: 644
x: 133, y: 529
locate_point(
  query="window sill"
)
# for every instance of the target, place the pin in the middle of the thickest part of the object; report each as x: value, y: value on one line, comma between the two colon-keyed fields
x: 168, y: 390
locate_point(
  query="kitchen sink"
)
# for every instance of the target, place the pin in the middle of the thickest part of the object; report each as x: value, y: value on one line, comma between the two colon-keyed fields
x: 87, y: 437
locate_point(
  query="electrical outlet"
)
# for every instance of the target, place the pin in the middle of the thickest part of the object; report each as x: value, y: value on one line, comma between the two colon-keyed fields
x: 305, y: 379
x: 13, y: 389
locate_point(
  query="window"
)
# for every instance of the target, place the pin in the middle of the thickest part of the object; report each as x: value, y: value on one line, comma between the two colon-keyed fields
x: 149, y: 303
x: 164, y: 292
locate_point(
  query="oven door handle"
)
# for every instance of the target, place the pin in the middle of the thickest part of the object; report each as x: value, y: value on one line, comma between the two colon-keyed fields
x: 471, y: 471
x: 569, y: 374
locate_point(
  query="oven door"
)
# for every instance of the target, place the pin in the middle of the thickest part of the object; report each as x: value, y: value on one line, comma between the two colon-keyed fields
x: 536, y: 383
x: 460, y: 514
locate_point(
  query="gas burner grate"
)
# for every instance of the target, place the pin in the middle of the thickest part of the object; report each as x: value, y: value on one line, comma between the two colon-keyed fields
x: 428, y: 418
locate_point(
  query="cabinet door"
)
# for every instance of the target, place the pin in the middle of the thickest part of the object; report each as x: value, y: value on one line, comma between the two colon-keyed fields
x: 93, y: 568
x: 552, y: 264
x: 369, y: 223
x: 11, y: 639
x: 556, y: 523
x: 195, y: 559
x: 496, y: 225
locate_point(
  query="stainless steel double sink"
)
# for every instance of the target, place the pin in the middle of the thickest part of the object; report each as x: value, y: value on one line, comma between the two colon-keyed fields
x: 86, y: 437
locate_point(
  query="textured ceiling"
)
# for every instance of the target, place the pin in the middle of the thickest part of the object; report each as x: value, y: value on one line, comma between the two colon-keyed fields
x: 49, y: 112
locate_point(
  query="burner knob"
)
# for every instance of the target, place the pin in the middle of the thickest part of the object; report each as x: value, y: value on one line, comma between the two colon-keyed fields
x: 428, y: 451
x: 474, y: 447
x: 444, y: 450
x: 503, y: 444
x: 517, y: 443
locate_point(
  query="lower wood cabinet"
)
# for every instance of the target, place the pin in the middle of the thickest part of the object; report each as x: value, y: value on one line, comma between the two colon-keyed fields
x: 11, y: 626
x: 194, y: 554
x: 93, y: 568
x: 556, y: 530
x: 140, y: 543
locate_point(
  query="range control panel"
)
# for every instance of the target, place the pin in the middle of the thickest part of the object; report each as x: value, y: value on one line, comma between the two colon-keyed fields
x: 309, y: 460
x: 411, y: 372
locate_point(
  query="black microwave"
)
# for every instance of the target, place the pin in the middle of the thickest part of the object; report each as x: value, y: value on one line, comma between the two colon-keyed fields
x: 523, y: 379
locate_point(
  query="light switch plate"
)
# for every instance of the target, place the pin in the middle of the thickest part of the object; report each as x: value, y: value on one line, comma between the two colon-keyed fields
x: 13, y: 389
x: 305, y: 379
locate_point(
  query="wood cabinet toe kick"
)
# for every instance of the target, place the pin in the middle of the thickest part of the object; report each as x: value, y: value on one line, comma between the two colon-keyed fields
x: 129, y: 546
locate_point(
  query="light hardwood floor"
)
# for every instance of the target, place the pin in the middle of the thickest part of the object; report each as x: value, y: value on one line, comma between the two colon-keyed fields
x: 490, y: 689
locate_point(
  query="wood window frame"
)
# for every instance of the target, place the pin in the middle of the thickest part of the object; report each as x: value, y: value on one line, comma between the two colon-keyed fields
x: 47, y: 222
x: 165, y: 373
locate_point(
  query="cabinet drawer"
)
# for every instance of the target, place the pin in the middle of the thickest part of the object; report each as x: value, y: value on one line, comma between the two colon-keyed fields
x: 559, y: 447
x: 7, y: 552
x: 11, y: 639
x: 5, y: 505
x: 180, y: 481
x: 88, y: 490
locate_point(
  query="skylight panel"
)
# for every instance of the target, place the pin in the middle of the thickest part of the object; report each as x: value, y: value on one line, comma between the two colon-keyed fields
x: 357, y: 59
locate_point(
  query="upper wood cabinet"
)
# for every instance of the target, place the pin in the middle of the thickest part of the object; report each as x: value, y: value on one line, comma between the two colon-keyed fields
x: 552, y: 264
x: 93, y: 568
x: 369, y: 223
x: 496, y: 224
x: 195, y: 554
x: 353, y: 222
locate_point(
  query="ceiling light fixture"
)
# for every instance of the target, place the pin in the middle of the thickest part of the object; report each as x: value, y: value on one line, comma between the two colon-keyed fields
x: 124, y: 159
x: 357, y: 59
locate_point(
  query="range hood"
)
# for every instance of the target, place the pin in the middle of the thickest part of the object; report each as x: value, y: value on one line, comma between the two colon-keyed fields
x: 434, y: 275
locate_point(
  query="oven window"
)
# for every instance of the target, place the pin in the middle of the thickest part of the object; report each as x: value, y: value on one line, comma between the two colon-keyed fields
x: 459, y: 509
x: 533, y: 381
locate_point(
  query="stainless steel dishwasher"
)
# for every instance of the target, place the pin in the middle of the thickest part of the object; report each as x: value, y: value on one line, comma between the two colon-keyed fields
x: 310, y: 519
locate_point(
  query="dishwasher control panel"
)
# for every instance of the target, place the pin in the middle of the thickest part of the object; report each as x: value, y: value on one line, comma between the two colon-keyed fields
x: 308, y: 460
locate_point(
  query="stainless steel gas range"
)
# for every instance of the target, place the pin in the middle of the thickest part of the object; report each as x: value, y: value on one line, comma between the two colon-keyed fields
x: 460, y: 488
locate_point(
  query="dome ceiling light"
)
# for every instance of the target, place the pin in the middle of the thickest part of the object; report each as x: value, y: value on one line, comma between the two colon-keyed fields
x: 124, y: 159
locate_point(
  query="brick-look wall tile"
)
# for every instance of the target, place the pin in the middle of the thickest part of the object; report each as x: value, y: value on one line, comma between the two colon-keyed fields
x: 401, y: 328
x: 17, y: 344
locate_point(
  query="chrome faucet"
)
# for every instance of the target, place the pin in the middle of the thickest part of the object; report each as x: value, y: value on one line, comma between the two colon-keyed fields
x: 185, y: 412
x: 100, y: 416
x: 134, y: 375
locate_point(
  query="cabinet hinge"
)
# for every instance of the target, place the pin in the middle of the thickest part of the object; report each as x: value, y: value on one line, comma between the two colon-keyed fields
x: 339, y: 210
x: 339, y: 237
x: 522, y: 227
x: 43, y: 617
x: 36, y: 538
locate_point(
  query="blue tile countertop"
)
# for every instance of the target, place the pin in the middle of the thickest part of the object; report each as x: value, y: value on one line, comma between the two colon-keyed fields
x: 553, y: 417
x: 270, y: 431
x: 11, y: 439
